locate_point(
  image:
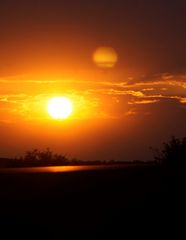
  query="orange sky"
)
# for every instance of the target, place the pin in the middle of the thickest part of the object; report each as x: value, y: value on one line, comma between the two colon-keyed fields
x: 111, y: 115
x: 46, y: 51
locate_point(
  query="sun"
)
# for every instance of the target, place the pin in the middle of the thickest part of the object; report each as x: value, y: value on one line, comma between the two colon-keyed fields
x: 60, y: 107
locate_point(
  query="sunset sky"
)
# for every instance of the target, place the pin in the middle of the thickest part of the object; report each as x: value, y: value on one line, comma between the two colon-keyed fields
x: 46, y: 50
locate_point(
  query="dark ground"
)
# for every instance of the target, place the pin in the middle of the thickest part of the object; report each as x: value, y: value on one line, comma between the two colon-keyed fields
x: 112, y: 201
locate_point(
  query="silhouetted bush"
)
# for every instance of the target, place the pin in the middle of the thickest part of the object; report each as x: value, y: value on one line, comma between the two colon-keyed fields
x: 45, y: 156
x: 172, y: 153
x: 39, y: 158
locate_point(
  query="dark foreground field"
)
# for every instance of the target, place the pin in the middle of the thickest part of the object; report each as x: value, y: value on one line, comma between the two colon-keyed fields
x: 91, y: 202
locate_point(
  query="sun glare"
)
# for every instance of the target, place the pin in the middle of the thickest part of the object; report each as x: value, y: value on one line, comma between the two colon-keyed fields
x: 60, y: 107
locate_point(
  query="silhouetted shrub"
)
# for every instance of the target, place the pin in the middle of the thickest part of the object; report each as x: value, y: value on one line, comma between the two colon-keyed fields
x: 172, y: 153
x: 42, y: 158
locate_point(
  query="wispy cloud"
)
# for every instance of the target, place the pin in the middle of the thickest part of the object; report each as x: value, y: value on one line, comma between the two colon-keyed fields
x: 131, y: 112
x: 146, y: 101
x: 28, y: 97
x: 30, y: 81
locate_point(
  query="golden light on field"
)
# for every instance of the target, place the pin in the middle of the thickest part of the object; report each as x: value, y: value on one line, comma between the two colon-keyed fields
x: 105, y: 57
x: 60, y: 107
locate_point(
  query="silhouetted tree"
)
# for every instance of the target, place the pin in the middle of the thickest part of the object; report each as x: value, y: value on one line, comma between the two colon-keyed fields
x: 60, y: 159
x: 172, y: 153
x: 31, y: 156
x: 45, y: 157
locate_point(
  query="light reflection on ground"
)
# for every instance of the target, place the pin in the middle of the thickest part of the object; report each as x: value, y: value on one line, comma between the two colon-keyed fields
x: 59, y: 169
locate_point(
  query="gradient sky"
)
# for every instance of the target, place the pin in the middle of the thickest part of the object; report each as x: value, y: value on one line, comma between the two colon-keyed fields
x: 46, y: 50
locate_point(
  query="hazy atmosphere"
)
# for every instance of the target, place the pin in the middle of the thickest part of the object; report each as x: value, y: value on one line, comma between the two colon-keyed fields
x: 92, y: 118
x: 122, y: 64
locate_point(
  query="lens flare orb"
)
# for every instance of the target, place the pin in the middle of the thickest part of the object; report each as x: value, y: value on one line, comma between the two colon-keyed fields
x: 105, y: 57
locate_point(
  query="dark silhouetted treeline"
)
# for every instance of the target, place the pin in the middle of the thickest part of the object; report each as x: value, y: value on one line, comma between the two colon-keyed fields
x: 171, y: 154
x: 36, y: 158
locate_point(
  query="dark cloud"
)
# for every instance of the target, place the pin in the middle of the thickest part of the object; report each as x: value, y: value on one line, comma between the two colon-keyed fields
x: 149, y: 36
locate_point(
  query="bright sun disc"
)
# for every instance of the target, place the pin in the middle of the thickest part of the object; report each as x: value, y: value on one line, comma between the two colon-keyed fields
x: 60, y: 107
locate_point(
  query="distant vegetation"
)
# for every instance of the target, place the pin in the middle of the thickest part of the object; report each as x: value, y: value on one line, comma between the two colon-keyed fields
x: 172, y: 154
x: 46, y: 157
